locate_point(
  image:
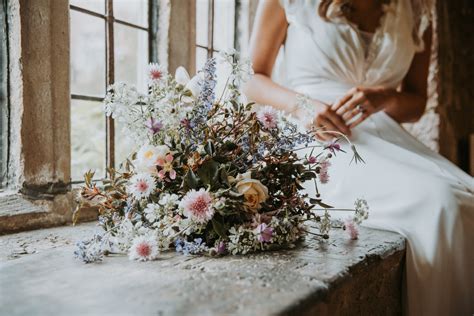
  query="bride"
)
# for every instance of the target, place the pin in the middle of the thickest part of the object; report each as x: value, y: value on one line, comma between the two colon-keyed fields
x: 360, y: 67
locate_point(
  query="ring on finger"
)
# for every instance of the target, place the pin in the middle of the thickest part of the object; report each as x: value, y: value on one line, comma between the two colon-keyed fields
x: 360, y: 108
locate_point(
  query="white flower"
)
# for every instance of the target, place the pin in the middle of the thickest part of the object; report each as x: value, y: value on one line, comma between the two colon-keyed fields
x: 156, y: 73
x: 148, y: 155
x: 152, y: 212
x: 144, y: 248
x: 141, y: 185
x: 169, y: 201
x: 181, y: 76
x: 197, y: 205
x: 268, y: 117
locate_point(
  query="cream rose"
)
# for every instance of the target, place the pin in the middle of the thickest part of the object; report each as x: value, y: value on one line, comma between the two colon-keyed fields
x: 254, y: 192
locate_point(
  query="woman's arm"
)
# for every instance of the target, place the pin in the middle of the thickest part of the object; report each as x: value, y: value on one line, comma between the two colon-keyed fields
x: 406, y: 105
x: 267, y: 37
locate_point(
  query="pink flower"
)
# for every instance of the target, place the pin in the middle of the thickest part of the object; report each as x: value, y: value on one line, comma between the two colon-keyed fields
x: 352, y: 228
x: 312, y: 159
x: 141, y: 185
x: 156, y: 73
x: 264, y: 233
x: 143, y: 248
x: 268, y: 117
x: 166, y: 165
x: 197, y: 205
x: 324, y: 171
x: 333, y: 147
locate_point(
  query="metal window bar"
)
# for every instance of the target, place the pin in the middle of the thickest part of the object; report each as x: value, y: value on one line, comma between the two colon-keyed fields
x: 109, y: 21
x: 210, y: 29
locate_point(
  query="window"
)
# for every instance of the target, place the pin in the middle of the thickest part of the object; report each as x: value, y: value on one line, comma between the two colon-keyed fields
x: 215, y: 28
x: 3, y: 95
x: 111, y: 41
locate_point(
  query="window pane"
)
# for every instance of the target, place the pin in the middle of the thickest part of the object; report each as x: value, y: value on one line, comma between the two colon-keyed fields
x: 202, y: 22
x: 224, y: 15
x: 201, y: 57
x: 3, y: 97
x: 87, y: 138
x: 131, y: 55
x: 87, y: 54
x: 133, y: 11
x: 93, y: 5
x: 124, y: 145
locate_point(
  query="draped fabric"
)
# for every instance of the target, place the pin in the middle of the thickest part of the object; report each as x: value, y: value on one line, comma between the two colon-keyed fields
x: 410, y: 189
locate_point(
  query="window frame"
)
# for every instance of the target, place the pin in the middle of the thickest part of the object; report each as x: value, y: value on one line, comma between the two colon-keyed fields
x: 4, y: 102
x: 109, y: 22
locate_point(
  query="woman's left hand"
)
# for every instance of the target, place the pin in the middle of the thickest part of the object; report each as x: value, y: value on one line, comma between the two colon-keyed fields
x: 363, y: 101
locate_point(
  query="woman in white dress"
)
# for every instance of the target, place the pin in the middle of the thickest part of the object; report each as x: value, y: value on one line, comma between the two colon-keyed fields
x: 363, y: 64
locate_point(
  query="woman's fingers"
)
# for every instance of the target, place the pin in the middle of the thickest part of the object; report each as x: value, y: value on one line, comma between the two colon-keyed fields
x: 338, y: 122
x: 359, y: 120
x: 325, y: 126
x: 352, y: 104
x: 343, y: 100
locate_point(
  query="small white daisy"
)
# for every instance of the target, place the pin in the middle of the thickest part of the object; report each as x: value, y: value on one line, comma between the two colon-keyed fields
x: 141, y: 185
x: 144, y: 248
x: 156, y: 73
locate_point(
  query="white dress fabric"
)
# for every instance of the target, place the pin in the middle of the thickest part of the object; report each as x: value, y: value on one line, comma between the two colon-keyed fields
x: 410, y: 189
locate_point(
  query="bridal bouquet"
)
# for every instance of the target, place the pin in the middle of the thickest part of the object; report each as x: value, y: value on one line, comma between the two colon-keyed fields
x: 210, y: 176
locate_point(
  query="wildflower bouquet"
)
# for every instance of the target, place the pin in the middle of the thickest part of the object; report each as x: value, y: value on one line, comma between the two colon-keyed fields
x: 210, y: 175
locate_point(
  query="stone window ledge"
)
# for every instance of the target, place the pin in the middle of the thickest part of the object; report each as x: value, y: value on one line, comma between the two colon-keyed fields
x: 338, y: 276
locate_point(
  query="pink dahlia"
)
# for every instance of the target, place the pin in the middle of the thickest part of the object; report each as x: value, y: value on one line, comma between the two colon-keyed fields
x: 264, y: 233
x: 268, y: 117
x: 197, y: 205
x: 352, y: 228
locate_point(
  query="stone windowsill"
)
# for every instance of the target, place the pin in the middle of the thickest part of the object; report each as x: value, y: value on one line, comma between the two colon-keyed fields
x: 41, y: 277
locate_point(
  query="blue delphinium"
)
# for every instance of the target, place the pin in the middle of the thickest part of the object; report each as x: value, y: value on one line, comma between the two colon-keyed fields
x: 90, y: 251
x: 190, y: 247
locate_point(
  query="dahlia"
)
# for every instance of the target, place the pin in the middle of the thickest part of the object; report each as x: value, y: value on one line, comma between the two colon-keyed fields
x: 197, y: 205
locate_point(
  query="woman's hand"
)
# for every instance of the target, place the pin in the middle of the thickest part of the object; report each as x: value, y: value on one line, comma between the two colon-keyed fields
x: 325, y: 119
x: 363, y: 101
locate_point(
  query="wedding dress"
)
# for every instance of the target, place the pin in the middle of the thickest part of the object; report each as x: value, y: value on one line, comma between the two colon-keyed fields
x: 410, y: 189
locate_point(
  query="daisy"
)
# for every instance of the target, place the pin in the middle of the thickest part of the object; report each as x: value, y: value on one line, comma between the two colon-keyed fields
x: 143, y: 248
x: 141, y: 185
x: 268, y: 117
x: 197, y: 205
x: 167, y: 167
x: 156, y: 73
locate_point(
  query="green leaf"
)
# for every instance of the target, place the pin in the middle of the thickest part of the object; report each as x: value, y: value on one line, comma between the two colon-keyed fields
x: 209, y: 172
x: 209, y: 148
x: 190, y: 181
x: 219, y: 228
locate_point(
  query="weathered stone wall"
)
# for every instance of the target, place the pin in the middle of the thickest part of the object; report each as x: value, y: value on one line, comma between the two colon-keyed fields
x: 39, y: 95
x: 456, y: 77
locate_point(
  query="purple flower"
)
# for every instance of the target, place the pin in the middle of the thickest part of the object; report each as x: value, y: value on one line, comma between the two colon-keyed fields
x: 221, y: 248
x: 264, y: 233
x: 312, y: 159
x: 333, y: 147
x: 154, y: 126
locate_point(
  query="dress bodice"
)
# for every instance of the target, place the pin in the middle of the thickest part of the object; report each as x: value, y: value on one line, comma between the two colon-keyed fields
x: 324, y: 59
